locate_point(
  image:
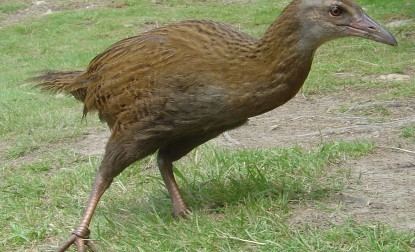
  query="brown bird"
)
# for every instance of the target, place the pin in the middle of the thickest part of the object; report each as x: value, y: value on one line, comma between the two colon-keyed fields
x: 175, y: 87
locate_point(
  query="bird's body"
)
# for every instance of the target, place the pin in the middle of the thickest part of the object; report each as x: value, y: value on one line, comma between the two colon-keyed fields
x: 175, y: 87
x: 191, y: 78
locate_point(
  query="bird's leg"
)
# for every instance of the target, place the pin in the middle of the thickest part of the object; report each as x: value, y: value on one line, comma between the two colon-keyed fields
x: 165, y: 158
x: 166, y: 169
x: 80, y: 236
x: 118, y: 156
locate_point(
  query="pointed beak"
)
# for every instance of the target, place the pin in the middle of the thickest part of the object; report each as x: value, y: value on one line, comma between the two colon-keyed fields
x: 366, y: 27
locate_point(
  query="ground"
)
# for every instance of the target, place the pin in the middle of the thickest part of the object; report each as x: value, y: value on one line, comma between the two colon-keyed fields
x: 378, y: 187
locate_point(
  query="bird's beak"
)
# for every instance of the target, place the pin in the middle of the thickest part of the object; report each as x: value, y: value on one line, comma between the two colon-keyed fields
x: 366, y: 27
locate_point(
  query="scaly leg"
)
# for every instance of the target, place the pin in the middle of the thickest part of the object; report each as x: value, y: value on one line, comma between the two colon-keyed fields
x: 81, y: 234
x: 118, y: 155
x: 166, y: 169
x: 165, y: 158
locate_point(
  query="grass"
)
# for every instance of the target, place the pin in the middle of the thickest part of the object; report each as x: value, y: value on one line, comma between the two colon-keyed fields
x: 9, y: 7
x: 408, y: 132
x: 241, y: 199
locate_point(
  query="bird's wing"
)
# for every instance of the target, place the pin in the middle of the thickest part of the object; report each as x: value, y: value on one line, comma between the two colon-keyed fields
x: 135, y: 76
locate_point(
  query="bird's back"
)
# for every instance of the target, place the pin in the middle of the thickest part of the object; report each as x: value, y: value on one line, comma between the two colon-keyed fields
x: 181, y: 73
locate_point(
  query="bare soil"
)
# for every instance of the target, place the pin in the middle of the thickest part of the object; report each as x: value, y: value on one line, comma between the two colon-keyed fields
x: 380, y: 187
x: 307, y: 121
x: 379, y: 190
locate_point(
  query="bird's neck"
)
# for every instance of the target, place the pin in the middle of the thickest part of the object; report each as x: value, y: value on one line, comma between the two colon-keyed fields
x: 287, y: 38
x: 287, y: 61
x: 284, y: 29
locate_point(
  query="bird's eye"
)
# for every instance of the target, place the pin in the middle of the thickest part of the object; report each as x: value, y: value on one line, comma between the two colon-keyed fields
x: 336, y: 11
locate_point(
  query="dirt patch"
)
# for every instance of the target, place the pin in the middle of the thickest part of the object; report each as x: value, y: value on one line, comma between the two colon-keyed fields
x: 383, y: 181
x: 309, y: 121
x: 380, y: 187
x: 40, y: 8
x: 389, y: 78
x: 379, y: 190
x: 399, y: 23
x: 92, y: 143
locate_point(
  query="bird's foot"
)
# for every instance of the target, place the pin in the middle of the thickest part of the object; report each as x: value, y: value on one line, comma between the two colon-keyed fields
x: 79, y: 237
x: 182, y: 212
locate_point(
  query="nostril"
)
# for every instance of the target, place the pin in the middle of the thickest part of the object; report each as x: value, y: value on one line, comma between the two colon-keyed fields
x: 372, y: 28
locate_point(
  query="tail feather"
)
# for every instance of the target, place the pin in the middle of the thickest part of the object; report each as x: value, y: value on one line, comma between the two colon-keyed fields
x: 69, y: 82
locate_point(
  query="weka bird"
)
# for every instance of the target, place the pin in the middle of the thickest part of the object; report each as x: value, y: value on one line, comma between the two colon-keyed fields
x: 175, y: 87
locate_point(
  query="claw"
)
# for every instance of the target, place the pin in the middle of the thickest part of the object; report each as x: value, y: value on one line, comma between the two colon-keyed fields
x: 67, y: 244
x: 80, y: 245
x: 80, y: 239
x: 182, y: 213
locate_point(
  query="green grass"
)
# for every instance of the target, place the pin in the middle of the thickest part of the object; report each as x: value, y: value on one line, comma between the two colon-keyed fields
x: 241, y: 199
x: 408, y: 132
x: 9, y: 7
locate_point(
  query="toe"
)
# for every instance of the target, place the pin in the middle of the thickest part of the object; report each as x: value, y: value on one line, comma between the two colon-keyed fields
x: 80, y: 245
x: 67, y: 244
x: 182, y: 213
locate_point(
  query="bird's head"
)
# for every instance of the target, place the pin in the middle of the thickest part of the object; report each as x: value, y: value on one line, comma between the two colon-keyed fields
x: 324, y: 20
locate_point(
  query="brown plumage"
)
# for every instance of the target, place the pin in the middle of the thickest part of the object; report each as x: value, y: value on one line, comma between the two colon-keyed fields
x: 175, y: 87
